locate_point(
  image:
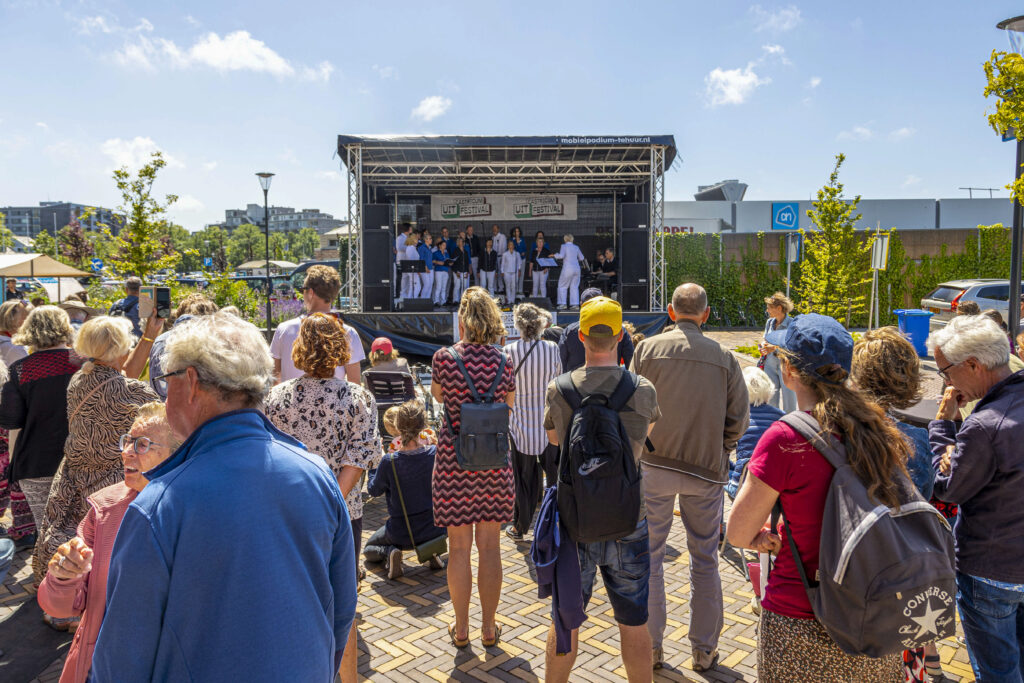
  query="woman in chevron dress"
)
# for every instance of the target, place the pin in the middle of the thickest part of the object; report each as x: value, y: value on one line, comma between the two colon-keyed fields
x: 472, y: 505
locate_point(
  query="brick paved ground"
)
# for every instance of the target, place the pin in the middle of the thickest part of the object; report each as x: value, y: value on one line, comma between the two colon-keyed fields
x: 402, y: 623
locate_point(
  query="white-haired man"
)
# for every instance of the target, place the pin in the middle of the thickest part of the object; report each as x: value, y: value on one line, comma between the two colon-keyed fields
x: 569, y: 279
x: 980, y: 467
x: 237, y: 561
x: 706, y: 411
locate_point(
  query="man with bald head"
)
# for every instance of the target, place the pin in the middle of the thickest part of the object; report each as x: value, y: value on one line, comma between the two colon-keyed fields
x: 704, y: 402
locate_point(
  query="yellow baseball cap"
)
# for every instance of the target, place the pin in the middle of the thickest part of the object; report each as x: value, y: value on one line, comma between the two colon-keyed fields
x: 601, y: 317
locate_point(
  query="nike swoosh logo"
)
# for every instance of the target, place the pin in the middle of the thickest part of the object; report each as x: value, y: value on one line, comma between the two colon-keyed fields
x: 590, y: 465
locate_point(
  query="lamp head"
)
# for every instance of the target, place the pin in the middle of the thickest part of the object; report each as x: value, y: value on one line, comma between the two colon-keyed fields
x: 265, y: 179
x: 1015, y: 32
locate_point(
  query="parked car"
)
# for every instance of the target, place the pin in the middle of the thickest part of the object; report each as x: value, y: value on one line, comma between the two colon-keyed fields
x: 298, y: 276
x: 944, y: 300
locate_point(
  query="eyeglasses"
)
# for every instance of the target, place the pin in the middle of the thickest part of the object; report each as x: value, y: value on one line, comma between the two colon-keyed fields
x: 164, y: 376
x: 140, y: 444
x: 942, y: 372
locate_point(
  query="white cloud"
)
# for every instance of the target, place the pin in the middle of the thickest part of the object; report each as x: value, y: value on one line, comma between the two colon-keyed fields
x: 328, y: 175
x: 776, y: 21
x: 187, y: 202
x: 89, y: 25
x: 911, y: 180
x: 774, y: 51
x: 236, y: 51
x: 814, y: 82
x: 40, y: 124
x: 902, y: 133
x: 209, y: 165
x: 856, y: 133
x: 386, y: 72
x: 192, y: 21
x: 431, y: 107
x: 732, y: 86
x: 134, y: 153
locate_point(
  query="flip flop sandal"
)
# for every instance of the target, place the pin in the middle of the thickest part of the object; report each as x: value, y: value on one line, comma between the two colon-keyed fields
x: 493, y: 641
x: 455, y: 641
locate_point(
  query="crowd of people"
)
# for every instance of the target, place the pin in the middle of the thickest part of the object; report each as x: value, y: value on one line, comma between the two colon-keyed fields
x: 195, y: 495
x: 498, y: 263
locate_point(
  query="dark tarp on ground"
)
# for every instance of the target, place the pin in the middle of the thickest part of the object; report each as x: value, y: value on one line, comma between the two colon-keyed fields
x: 418, y: 335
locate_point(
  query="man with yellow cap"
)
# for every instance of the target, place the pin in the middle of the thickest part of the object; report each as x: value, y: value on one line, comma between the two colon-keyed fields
x: 624, y: 562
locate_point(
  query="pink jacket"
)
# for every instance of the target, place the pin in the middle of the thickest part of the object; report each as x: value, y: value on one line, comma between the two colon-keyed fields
x: 87, y: 596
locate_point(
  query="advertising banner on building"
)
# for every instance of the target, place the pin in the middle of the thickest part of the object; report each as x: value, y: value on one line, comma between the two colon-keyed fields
x: 502, y: 207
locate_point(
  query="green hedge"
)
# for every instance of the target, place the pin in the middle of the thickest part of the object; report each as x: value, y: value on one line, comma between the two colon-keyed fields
x: 737, y: 288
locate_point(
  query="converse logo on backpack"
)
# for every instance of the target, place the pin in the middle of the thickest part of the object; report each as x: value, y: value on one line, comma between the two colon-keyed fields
x: 925, y: 619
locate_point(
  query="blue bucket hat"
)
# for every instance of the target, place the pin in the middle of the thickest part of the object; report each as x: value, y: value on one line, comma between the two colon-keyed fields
x: 815, y: 341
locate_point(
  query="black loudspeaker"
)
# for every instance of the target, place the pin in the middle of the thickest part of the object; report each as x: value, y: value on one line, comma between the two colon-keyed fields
x: 635, y: 215
x: 377, y: 217
x: 377, y: 299
x: 634, y: 297
x: 634, y: 253
x: 378, y: 258
x: 540, y: 301
x: 417, y: 305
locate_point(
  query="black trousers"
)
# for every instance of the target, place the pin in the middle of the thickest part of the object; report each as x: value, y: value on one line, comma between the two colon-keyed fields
x: 528, y: 472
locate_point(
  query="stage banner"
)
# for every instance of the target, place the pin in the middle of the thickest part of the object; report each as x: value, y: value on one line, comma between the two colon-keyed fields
x: 499, y: 207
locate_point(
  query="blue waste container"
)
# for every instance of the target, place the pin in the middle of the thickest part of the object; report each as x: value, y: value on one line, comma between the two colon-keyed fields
x: 914, y: 323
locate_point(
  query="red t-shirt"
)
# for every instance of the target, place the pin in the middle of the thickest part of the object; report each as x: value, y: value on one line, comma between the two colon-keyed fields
x: 785, y: 461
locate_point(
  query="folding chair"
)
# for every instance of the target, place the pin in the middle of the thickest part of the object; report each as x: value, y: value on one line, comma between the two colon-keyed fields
x: 389, y: 389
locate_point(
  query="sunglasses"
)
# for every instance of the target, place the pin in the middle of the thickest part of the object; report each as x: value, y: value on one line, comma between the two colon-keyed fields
x: 164, y: 376
x: 140, y: 444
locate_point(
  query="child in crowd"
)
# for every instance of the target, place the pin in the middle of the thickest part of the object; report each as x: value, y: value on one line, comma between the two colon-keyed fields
x: 404, y: 478
x: 427, y: 436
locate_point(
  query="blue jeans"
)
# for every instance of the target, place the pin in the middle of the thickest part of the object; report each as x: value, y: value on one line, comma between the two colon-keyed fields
x: 626, y: 570
x: 993, y: 621
x: 6, y: 556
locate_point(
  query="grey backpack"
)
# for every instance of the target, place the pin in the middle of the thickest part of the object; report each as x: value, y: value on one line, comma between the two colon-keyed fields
x: 482, y: 442
x: 886, y: 580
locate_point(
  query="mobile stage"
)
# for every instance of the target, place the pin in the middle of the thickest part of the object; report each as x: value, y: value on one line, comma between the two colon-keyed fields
x: 607, y: 191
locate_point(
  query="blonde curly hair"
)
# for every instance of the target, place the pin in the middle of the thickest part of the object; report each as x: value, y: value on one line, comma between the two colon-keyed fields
x: 480, y: 317
x: 321, y: 347
x: 44, y: 328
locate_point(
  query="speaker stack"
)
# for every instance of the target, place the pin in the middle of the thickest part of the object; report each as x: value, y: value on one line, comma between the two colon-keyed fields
x: 634, y: 258
x: 378, y: 258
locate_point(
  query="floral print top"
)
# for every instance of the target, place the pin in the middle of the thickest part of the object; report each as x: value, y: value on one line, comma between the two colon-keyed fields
x: 333, y: 418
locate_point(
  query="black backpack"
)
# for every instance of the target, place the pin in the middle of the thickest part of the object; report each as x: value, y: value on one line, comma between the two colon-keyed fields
x: 599, y: 492
x: 482, y: 442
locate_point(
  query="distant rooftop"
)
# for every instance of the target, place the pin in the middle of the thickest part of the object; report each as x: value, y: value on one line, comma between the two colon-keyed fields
x: 724, y: 190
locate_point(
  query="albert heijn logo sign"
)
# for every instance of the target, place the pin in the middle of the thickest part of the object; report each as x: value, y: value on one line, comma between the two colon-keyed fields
x: 784, y: 215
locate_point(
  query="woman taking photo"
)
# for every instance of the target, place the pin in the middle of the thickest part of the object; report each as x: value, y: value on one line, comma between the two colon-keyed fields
x: 333, y: 418
x: 535, y: 364
x: 102, y: 403
x: 816, y: 354
x: 472, y: 504
x: 76, y: 580
x: 777, y: 307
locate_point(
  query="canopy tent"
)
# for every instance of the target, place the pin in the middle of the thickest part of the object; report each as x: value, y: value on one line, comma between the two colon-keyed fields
x: 380, y: 167
x: 36, y: 265
x: 280, y: 265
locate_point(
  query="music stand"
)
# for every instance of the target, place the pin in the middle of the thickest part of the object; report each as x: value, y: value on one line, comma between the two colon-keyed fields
x: 412, y: 266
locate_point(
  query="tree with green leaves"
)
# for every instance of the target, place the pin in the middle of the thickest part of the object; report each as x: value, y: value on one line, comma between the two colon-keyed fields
x: 44, y: 244
x: 212, y: 242
x: 835, y: 266
x: 141, y: 245
x: 245, y: 244
x: 1004, y: 75
x: 6, y: 236
x: 279, y: 247
x: 304, y: 244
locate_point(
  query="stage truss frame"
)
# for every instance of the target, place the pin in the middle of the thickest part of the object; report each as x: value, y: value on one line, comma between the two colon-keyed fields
x: 451, y: 165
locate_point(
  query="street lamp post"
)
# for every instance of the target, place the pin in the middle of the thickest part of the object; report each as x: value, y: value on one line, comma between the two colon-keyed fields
x: 265, y: 179
x: 1015, y: 32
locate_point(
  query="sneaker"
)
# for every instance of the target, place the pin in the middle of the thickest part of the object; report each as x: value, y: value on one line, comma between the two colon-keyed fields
x: 26, y: 541
x: 659, y: 658
x: 394, y: 563
x: 704, y: 661
x: 435, y: 563
x: 513, y: 533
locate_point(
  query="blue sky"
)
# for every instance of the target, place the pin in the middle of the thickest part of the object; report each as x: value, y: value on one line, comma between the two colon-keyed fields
x: 764, y: 92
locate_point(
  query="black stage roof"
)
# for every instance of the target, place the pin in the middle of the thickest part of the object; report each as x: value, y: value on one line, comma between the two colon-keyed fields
x: 580, y: 164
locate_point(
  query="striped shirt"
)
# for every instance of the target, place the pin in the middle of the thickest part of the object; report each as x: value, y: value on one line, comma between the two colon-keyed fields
x: 541, y: 366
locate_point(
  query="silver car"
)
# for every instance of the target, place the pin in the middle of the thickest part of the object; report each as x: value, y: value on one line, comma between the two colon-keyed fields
x: 944, y: 300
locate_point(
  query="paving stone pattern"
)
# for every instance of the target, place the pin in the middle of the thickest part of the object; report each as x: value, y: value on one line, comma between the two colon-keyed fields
x: 403, y: 623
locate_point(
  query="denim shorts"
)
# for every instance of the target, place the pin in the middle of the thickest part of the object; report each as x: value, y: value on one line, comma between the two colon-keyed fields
x: 626, y: 570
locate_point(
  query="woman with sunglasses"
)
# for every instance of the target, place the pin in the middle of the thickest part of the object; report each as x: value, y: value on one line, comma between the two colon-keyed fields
x: 101, y: 404
x: 76, y: 579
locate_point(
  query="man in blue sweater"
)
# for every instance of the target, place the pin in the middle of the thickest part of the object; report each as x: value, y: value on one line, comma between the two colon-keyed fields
x: 237, y: 561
